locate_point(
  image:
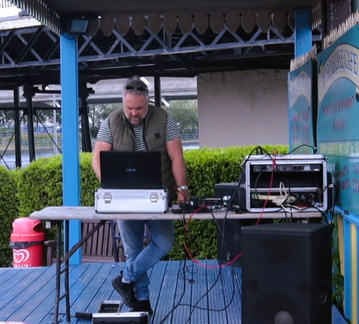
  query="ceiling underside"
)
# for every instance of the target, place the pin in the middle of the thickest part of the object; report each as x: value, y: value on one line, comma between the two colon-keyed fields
x: 145, y: 6
x: 154, y: 38
x: 56, y: 13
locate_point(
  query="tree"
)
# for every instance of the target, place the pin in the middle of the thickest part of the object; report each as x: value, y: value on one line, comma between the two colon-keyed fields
x: 6, y: 118
x: 186, y: 114
x: 97, y: 113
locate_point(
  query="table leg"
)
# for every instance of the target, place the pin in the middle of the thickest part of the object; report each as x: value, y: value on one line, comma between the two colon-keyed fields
x: 65, y: 262
x: 62, y: 270
x: 66, y: 270
x: 58, y: 272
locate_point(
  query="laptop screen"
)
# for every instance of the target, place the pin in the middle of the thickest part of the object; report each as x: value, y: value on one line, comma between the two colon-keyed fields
x: 130, y: 170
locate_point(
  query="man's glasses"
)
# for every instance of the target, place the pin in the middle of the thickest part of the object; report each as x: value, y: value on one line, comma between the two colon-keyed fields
x: 138, y: 89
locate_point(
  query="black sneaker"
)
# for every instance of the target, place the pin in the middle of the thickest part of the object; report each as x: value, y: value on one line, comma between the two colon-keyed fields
x: 126, y: 291
x: 143, y: 306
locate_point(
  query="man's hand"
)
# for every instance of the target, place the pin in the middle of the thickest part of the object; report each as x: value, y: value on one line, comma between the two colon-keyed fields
x: 183, y: 194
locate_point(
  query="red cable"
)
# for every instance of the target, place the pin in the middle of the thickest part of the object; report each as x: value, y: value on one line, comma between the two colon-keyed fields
x: 189, y: 251
x: 206, y: 206
x: 269, y: 191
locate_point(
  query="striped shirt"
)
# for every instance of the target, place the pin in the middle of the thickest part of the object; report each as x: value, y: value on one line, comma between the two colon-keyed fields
x: 172, y: 132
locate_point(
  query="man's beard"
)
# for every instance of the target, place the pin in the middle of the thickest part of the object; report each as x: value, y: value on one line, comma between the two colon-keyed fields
x: 135, y: 120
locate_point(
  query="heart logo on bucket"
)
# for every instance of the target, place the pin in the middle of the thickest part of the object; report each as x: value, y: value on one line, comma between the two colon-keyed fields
x: 21, y: 255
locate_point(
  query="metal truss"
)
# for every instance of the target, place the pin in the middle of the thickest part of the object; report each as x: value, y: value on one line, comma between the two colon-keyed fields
x: 33, y: 54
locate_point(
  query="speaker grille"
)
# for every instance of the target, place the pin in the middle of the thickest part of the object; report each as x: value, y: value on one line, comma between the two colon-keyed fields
x: 286, y: 270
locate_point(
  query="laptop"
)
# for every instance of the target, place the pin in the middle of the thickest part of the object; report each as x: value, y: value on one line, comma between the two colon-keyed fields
x: 131, y: 170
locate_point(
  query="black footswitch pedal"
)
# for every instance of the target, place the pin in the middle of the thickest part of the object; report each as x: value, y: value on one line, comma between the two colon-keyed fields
x: 111, y: 306
x: 110, y: 313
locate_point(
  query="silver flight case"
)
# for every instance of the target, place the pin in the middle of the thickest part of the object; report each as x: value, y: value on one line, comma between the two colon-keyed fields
x: 131, y: 201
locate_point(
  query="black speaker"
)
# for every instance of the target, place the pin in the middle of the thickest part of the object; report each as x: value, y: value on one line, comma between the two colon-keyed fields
x: 229, y: 241
x: 286, y: 273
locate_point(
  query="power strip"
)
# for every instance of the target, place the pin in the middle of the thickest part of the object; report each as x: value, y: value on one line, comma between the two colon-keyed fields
x: 187, y: 208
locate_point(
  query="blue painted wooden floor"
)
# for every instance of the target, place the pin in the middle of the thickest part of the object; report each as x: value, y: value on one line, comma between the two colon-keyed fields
x: 181, y: 292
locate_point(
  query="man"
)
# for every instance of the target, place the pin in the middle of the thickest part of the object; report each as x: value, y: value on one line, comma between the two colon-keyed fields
x: 142, y: 127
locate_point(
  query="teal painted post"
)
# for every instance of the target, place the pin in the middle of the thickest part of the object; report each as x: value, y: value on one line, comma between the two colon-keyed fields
x: 70, y: 134
x: 347, y: 267
x: 302, y: 31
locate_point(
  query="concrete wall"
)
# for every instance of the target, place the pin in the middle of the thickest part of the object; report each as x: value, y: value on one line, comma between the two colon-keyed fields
x: 243, y: 108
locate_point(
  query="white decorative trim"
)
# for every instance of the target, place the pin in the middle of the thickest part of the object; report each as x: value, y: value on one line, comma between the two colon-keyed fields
x: 301, y: 60
x: 334, y: 34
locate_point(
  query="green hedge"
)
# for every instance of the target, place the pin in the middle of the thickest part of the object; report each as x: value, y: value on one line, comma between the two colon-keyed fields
x: 205, y: 168
x: 8, y: 212
x: 40, y: 185
x: 209, y: 166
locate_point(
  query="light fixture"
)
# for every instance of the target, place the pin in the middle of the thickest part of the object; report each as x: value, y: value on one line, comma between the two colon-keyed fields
x: 78, y: 26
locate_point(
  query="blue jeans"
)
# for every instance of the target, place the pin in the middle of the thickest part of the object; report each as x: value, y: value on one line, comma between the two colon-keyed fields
x: 139, y: 259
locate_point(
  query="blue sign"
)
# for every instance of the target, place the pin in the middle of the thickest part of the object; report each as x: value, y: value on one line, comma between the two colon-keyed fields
x: 300, y: 103
x: 338, y: 116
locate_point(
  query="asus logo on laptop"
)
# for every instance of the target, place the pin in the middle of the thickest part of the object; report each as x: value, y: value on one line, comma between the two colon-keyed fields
x: 131, y: 170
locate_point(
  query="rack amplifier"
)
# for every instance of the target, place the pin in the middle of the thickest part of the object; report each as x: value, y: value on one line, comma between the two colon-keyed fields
x: 275, y: 183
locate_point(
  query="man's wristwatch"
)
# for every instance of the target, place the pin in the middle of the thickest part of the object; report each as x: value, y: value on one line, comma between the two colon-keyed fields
x: 182, y: 188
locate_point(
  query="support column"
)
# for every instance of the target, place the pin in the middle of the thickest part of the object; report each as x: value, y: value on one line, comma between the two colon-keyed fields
x: 18, y: 159
x: 302, y: 31
x: 28, y: 94
x: 84, y: 117
x: 70, y: 134
x: 157, y: 81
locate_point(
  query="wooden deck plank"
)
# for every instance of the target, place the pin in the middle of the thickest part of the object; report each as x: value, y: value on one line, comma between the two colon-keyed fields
x: 27, y: 295
x: 76, y: 273
x: 40, y: 305
x: 231, y: 281
x: 162, y: 285
x: 163, y: 298
x: 22, y: 280
x: 99, y: 290
x: 85, y: 276
x: 87, y: 287
x: 30, y: 290
x: 157, y: 285
x: 199, y: 299
x: 43, y: 312
x: 8, y: 292
x: 216, y: 298
x: 182, y: 300
x: 9, y: 275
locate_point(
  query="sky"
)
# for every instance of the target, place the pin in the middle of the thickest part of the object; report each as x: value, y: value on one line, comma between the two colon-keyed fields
x: 10, y: 19
x: 8, y: 12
